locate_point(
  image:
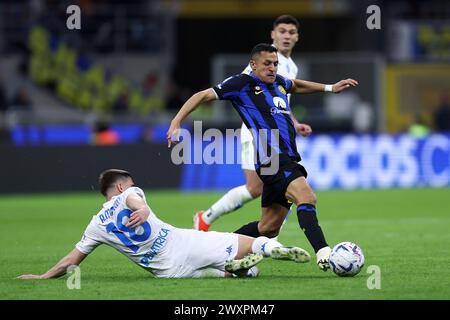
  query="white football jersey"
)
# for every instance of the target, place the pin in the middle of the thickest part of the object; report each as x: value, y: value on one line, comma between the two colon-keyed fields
x: 146, y: 245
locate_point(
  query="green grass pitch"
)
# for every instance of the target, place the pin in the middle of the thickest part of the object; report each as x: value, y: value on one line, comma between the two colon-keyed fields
x: 406, y: 233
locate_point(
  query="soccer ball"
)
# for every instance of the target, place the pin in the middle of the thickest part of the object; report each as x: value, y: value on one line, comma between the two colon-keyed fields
x: 346, y: 259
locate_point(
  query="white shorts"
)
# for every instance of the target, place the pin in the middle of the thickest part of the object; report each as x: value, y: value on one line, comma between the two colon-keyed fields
x: 248, y: 149
x: 192, y: 251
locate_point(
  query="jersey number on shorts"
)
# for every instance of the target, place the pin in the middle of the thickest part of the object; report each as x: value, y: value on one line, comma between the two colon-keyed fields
x: 120, y: 230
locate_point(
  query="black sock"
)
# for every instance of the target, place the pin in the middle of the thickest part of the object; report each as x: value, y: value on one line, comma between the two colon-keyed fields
x: 250, y: 229
x: 307, y: 219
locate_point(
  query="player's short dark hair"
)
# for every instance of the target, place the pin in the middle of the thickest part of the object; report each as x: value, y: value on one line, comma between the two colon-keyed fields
x: 260, y: 47
x: 109, y: 177
x: 286, y: 18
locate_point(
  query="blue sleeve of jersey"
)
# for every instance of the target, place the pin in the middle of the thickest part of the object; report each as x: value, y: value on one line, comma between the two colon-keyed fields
x: 229, y: 88
x: 288, y: 84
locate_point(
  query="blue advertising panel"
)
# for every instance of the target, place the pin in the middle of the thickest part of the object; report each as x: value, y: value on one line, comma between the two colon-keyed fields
x: 345, y: 162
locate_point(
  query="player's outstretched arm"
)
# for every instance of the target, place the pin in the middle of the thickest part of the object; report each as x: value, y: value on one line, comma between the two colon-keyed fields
x: 73, y: 258
x: 303, y: 86
x: 140, y: 213
x: 190, y: 105
x: 344, y: 84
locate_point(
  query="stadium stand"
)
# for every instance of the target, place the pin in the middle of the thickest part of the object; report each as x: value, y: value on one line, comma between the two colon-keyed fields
x: 79, y: 81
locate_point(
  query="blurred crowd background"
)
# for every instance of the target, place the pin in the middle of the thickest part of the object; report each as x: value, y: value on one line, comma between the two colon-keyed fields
x: 122, y: 76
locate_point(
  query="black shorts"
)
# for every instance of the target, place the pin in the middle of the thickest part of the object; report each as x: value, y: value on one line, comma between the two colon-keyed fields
x: 275, y: 185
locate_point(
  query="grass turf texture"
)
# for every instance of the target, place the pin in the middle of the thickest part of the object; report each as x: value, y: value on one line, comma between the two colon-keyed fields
x: 404, y: 232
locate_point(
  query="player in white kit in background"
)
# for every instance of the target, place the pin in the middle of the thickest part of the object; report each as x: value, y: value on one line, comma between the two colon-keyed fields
x: 127, y: 224
x: 284, y: 36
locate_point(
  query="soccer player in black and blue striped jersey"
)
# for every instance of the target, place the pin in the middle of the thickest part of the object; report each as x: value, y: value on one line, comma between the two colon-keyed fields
x: 261, y: 100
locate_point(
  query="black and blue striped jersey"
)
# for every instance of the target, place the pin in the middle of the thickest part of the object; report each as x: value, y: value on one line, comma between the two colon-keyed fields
x: 264, y: 108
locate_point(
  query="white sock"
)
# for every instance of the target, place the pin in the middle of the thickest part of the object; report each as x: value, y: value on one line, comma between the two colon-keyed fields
x: 323, y: 253
x: 232, y: 200
x: 264, y: 245
x: 208, y: 273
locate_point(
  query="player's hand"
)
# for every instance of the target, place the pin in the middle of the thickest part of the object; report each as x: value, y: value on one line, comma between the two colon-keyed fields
x: 303, y: 129
x: 29, y: 276
x: 173, y: 134
x: 138, y: 217
x: 344, y: 84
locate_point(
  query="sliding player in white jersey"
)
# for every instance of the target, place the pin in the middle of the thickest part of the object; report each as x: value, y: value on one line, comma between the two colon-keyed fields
x: 284, y: 36
x: 127, y: 224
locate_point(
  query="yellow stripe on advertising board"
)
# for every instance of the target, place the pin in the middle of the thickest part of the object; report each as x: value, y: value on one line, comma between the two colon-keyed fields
x: 413, y: 90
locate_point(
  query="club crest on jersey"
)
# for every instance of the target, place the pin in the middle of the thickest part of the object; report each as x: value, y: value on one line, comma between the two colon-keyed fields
x: 280, y: 87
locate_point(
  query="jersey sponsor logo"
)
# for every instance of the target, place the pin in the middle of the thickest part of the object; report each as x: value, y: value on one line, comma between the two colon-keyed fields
x: 258, y: 92
x: 274, y: 111
x: 279, y: 102
x: 280, y: 106
x: 156, y: 247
